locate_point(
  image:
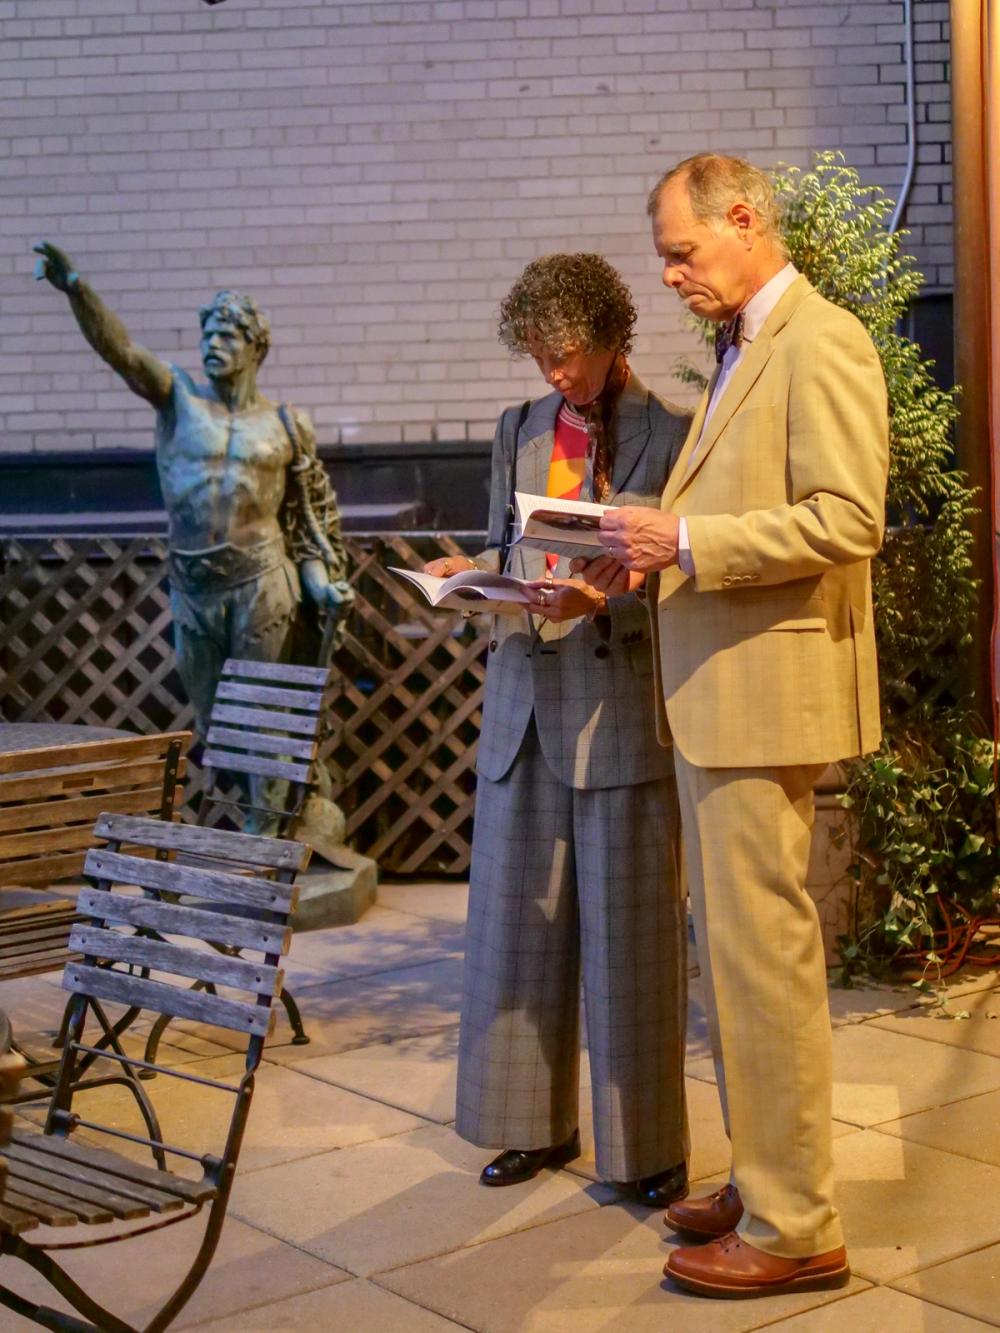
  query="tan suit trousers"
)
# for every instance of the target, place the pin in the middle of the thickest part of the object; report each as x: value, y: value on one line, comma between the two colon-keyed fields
x: 747, y: 834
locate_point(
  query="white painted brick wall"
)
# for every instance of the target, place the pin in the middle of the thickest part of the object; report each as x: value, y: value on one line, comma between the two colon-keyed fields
x: 377, y: 174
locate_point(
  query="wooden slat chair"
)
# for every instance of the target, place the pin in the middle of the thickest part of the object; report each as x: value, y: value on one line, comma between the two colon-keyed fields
x: 266, y: 721
x: 49, y: 799
x: 130, y: 955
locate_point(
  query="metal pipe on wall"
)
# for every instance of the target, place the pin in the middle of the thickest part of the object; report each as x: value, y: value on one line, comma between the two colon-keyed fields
x: 911, y: 118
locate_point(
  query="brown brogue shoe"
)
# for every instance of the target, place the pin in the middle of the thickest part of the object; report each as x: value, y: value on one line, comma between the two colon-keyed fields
x: 714, y: 1215
x: 730, y: 1268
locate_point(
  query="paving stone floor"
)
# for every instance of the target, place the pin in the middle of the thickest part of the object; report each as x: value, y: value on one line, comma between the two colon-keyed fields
x: 357, y: 1209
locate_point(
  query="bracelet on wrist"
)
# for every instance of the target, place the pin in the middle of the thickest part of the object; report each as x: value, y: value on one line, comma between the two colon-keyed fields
x: 600, y: 608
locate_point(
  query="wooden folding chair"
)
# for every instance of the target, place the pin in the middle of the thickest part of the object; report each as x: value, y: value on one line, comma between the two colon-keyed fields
x: 131, y: 956
x: 266, y: 722
x: 49, y: 799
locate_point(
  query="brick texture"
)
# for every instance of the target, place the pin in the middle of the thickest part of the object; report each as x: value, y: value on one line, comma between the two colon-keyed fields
x: 377, y: 174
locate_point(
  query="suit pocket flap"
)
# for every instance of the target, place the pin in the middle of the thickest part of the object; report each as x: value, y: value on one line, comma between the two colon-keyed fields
x: 764, y: 617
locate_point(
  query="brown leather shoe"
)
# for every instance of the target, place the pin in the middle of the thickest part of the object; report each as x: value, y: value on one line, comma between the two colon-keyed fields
x: 730, y: 1268
x: 713, y: 1215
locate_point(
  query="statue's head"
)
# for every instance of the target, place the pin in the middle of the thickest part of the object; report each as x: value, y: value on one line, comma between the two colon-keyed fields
x: 235, y: 334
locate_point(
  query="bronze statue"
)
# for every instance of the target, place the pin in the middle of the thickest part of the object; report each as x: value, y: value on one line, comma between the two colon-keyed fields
x: 252, y: 516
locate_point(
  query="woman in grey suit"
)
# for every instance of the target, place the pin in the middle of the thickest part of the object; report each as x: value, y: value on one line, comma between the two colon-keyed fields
x: 574, y: 857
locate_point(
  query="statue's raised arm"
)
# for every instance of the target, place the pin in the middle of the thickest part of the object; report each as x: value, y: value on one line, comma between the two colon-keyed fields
x: 144, y: 373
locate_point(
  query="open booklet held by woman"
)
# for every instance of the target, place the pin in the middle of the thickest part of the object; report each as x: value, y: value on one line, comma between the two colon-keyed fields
x: 471, y: 590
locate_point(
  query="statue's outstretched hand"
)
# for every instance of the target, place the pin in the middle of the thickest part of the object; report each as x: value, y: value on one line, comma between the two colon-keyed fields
x: 53, y: 264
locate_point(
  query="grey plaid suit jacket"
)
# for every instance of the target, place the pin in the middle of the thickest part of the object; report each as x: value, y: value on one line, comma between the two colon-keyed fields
x: 590, y: 685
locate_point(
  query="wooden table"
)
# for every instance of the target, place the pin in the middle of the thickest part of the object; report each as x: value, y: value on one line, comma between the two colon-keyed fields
x: 16, y: 737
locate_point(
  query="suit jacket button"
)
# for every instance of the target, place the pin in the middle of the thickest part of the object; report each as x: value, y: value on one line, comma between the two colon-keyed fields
x: 493, y: 645
x: 602, y: 650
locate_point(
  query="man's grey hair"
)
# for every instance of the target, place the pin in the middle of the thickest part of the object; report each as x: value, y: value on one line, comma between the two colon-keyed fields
x: 715, y: 182
x: 244, y: 312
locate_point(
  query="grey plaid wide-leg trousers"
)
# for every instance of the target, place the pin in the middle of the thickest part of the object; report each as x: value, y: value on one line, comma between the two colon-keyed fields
x: 565, y: 881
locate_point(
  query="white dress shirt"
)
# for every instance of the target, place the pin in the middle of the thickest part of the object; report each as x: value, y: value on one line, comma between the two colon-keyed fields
x: 755, y: 312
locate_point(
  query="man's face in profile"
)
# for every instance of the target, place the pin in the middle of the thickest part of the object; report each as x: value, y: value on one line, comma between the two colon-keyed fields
x: 225, y: 348
x: 703, y: 263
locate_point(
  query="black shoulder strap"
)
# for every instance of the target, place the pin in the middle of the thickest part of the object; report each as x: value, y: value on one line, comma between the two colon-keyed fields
x: 508, y: 527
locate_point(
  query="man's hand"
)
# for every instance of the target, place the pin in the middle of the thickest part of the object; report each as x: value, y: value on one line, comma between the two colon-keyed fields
x: 327, y: 593
x: 640, y: 538
x: 607, y: 575
x: 53, y: 264
x: 564, y: 599
x: 446, y: 565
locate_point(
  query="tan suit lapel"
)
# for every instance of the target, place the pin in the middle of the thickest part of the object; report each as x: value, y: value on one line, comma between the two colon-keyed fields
x: 744, y: 378
x: 693, y: 435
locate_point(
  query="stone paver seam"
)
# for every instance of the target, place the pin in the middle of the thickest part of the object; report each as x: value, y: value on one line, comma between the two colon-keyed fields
x: 952, y: 1309
x: 938, y: 1106
x: 363, y: 1046
x: 938, y: 1263
x: 207, y: 1323
x: 379, y: 1101
x: 363, y: 976
x: 267, y: 1300
x: 475, y: 1244
x: 824, y: 1300
x: 451, y: 1319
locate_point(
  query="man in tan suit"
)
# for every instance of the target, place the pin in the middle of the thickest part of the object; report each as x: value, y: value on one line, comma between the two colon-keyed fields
x: 766, y: 663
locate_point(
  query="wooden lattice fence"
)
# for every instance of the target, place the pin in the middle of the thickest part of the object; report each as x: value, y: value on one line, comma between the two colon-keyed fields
x: 86, y: 639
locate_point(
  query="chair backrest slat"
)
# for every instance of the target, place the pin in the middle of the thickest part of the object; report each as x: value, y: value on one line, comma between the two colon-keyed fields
x: 216, y: 886
x: 279, y: 671
x: 165, y: 956
x: 232, y: 738
x: 265, y: 853
x: 102, y: 983
x: 304, y: 700
x: 303, y: 724
x: 249, y: 763
x: 173, y: 919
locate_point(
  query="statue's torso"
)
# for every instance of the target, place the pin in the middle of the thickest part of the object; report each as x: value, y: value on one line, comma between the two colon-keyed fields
x: 222, y: 473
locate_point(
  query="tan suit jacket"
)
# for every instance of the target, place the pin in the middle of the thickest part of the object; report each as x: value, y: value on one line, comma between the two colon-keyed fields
x: 767, y: 656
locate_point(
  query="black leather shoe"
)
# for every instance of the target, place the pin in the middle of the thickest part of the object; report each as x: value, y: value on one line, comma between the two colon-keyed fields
x: 513, y: 1166
x: 664, y: 1188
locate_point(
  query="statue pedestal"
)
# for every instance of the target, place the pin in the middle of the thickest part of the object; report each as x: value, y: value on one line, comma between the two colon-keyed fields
x: 335, y: 895
x: 340, y: 885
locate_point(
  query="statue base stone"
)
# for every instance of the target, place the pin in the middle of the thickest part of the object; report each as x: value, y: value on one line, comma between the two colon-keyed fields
x: 336, y: 895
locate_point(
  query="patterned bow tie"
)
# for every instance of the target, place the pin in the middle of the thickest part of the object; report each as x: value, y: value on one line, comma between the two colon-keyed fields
x: 728, y: 335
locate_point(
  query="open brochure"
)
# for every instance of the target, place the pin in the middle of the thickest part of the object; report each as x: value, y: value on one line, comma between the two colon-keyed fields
x: 471, y: 590
x: 564, y: 527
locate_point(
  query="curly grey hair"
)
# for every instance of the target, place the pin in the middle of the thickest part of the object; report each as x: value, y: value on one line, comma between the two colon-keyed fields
x: 568, y: 303
x: 715, y: 182
x: 244, y: 312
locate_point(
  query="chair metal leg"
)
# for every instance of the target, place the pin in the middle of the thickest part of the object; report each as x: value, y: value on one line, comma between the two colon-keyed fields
x: 299, y: 1035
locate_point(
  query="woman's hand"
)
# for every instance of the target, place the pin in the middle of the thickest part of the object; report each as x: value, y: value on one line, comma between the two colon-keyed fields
x: 446, y: 565
x: 564, y: 599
